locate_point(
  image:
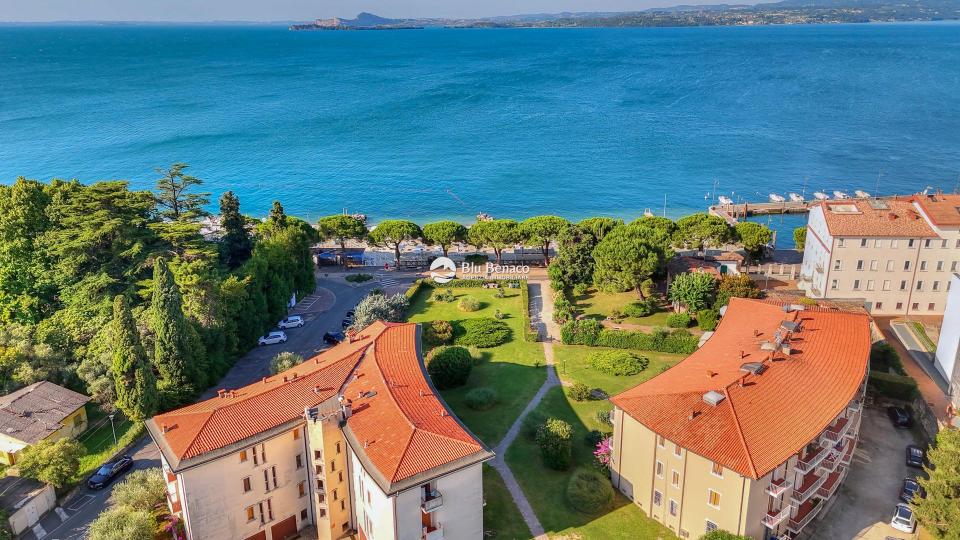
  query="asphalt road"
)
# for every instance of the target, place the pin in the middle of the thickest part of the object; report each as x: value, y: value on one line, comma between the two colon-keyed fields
x: 323, y: 312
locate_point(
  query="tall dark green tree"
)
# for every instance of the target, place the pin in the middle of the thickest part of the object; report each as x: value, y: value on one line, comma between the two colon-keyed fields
x: 939, y: 511
x: 134, y: 383
x: 26, y: 289
x: 172, y: 355
x: 628, y: 256
x: 574, y: 261
x: 173, y: 196
x: 598, y: 227
x: 235, y: 244
x: 277, y: 217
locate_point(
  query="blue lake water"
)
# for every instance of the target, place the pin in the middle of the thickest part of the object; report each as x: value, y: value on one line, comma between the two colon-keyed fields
x: 448, y: 123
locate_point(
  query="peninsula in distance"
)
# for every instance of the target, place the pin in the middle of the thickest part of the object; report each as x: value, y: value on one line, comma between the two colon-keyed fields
x: 782, y: 12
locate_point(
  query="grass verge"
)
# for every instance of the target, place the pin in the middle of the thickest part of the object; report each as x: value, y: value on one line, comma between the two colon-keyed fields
x: 501, y: 517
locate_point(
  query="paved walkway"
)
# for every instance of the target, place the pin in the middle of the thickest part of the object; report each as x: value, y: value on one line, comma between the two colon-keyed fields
x: 541, y: 310
x: 930, y: 390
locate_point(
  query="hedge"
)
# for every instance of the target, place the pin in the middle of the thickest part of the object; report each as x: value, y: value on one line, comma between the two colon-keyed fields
x: 893, y: 386
x: 528, y: 333
x: 620, y: 363
x: 449, y: 367
x: 590, y: 332
x: 483, y: 332
x: 589, y: 491
x: 481, y: 398
x: 414, y: 289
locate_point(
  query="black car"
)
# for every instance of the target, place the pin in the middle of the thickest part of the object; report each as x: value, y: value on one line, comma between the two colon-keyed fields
x: 916, y: 456
x: 346, y: 322
x: 333, y: 337
x: 911, y: 489
x: 900, y: 417
x: 108, y: 472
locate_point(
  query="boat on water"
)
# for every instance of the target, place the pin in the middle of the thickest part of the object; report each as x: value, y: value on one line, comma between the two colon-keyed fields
x: 821, y: 196
x: 725, y: 200
x: 861, y: 194
x: 774, y: 197
x: 796, y: 198
x: 647, y: 213
x: 840, y: 195
x: 483, y: 216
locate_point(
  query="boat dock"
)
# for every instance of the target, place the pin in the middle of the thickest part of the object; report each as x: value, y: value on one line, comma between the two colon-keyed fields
x: 732, y: 213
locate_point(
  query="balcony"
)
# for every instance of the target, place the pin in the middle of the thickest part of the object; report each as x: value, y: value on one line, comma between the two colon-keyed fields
x: 777, y: 487
x: 830, y: 464
x: 811, y: 484
x: 430, y: 501
x: 773, y: 518
x: 805, y: 515
x: 847, y: 456
x: 433, y: 532
x: 840, y: 429
x: 830, y: 486
x: 855, y: 406
x: 811, y: 461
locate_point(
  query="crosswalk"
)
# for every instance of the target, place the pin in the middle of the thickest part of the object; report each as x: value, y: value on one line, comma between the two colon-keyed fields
x: 387, y: 280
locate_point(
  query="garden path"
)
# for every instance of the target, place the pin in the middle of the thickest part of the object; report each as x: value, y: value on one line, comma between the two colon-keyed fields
x: 541, y: 310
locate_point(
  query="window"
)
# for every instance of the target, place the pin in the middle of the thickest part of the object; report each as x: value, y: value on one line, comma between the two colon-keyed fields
x: 839, y: 242
x: 893, y: 244
x: 677, y: 451
x: 345, y: 527
x: 303, y: 514
x: 958, y: 242
x: 923, y: 266
x: 317, y: 454
x: 886, y: 284
x: 266, y: 479
x: 713, y: 498
x: 926, y: 243
x: 657, y: 498
x: 859, y: 264
x: 939, y: 266
x: 931, y: 306
x: 869, y: 284
x: 936, y: 285
x: 270, y: 509
x: 711, y: 526
x: 340, y: 476
x: 343, y: 506
x: 333, y: 465
x: 674, y: 507
x: 334, y: 494
x: 953, y: 266
x: 878, y: 306
x: 247, y: 485
x: 943, y: 244
x: 717, y: 470
x: 321, y: 498
x: 659, y: 469
x: 919, y: 285
x: 243, y: 456
x: 863, y: 242
x: 873, y: 265
x: 838, y: 264
x: 903, y: 284
x: 889, y: 266
x: 660, y: 441
x: 338, y: 447
x: 263, y: 516
x: 322, y: 512
x: 915, y: 306
x: 856, y: 284
x: 251, y: 515
x: 302, y: 488
x: 877, y: 243
x: 299, y: 461
x: 911, y: 242
x: 273, y: 475
x: 906, y: 265
x: 899, y: 306
x: 833, y: 284
x: 296, y: 434
x: 675, y: 478
x: 256, y: 460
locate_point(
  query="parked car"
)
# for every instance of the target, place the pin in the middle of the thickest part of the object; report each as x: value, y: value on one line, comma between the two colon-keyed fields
x: 346, y: 322
x: 900, y: 417
x: 911, y: 489
x: 108, y: 472
x: 273, y: 338
x: 903, y: 519
x: 916, y: 456
x: 351, y: 314
x: 293, y: 321
x: 333, y: 337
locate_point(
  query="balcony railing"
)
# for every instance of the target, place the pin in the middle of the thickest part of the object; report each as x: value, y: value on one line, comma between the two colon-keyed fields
x: 809, y: 463
x: 830, y: 486
x: 430, y: 501
x: 433, y: 532
x: 802, y: 493
x: 796, y: 525
x: 777, y: 487
x: 773, y: 518
x: 855, y: 406
x: 830, y: 464
x: 840, y: 428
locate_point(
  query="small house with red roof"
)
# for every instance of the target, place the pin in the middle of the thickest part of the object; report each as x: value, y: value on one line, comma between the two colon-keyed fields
x: 355, y: 441
x: 752, y: 433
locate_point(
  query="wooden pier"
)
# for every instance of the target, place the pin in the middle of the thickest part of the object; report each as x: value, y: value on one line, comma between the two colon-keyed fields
x: 732, y: 213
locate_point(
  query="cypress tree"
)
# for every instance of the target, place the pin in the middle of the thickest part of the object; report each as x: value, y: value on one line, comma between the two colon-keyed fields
x: 278, y: 218
x: 236, y: 244
x: 939, y: 511
x: 173, y: 351
x: 135, y: 385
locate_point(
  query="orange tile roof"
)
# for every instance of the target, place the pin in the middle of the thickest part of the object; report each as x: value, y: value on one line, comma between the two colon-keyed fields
x: 943, y: 210
x: 893, y: 217
x: 407, y: 429
x: 771, y: 416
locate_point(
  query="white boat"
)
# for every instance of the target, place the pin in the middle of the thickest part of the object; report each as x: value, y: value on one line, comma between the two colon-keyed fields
x: 821, y: 196
x: 776, y: 198
x: 840, y: 195
x: 796, y: 198
x: 647, y: 213
x: 725, y: 200
x: 861, y: 194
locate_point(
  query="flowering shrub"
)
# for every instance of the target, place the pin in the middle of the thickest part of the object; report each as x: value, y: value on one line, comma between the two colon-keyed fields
x: 603, y: 451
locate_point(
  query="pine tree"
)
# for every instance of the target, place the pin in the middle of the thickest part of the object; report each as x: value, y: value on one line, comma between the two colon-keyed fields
x: 135, y: 385
x: 939, y: 511
x: 173, y: 352
x: 277, y: 218
x: 172, y: 197
x: 235, y: 245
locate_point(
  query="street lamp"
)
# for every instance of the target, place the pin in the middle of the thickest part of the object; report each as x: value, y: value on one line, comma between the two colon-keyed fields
x: 113, y: 429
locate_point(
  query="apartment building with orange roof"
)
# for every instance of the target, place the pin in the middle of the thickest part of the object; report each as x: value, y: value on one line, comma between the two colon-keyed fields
x: 753, y: 432
x: 894, y: 255
x: 355, y: 441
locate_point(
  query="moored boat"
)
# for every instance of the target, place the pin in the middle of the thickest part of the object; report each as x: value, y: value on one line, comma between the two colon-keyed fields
x: 774, y: 197
x: 725, y: 200
x: 861, y: 194
x: 840, y: 195
x: 821, y: 196
x: 796, y: 198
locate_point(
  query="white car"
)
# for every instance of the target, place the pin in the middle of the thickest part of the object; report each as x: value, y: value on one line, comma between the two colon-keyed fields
x: 293, y: 321
x: 903, y: 519
x: 273, y: 338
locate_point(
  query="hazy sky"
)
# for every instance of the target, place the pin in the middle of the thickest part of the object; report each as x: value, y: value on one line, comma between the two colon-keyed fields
x: 283, y: 10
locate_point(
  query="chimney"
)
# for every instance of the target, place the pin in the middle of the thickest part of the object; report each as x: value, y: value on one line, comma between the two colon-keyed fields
x: 284, y: 378
x: 756, y: 333
x: 264, y: 380
x: 165, y: 428
x: 222, y: 392
x: 742, y: 354
x: 294, y: 377
x: 711, y: 373
x: 351, y: 335
x: 693, y: 414
x: 316, y: 389
x: 442, y: 413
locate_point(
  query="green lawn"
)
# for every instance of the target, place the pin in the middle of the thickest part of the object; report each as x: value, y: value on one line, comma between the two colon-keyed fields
x: 572, y: 366
x: 98, y: 438
x: 515, y: 369
x: 599, y: 305
x: 501, y: 518
x: 546, y: 488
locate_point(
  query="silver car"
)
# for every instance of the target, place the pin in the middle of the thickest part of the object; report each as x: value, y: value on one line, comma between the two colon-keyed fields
x: 293, y: 321
x: 903, y: 519
x: 273, y: 338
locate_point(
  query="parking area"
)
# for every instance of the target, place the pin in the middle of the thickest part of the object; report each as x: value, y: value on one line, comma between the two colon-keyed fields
x: 864, y: 505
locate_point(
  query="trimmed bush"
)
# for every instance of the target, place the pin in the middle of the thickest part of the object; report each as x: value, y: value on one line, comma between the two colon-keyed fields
x: 554, y: 440
x: 581, y: 289
x: 579, y: 392
x: 415, y: 288
x: 468, y: 304
x: 449, y: 367
x: 893, y: 386
x: 358, y: 278
x: 529, y: 334
x: 642, y: 308
x: 531, y: 424
x: 707, y: 319
x: 582, y: 332
x: 437, y: 333
x: 604, y: 417
x: 620, y: 363
x: 446, y: 296
x: 593, y: 438
x: 589, y: 491
x: 678, y: 320
x: 590, y: 332
x: 481, y: 398
x: 884, y: 359
x: 482, y: 333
